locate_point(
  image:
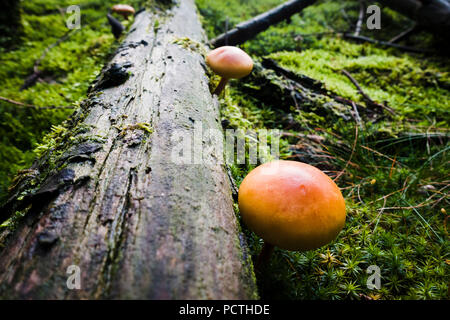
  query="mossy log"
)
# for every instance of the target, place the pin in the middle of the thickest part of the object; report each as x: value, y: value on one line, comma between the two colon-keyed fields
x: 248, y: 29
x: 108, y: 199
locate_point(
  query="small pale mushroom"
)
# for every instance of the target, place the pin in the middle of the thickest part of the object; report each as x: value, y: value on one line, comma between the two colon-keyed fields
x: 230, y: 63
x: 124, y: 10
x: 292, y: 205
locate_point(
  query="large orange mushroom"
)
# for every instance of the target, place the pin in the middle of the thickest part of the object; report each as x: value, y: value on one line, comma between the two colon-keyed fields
x: 230, y: 63
x: 292, y: 205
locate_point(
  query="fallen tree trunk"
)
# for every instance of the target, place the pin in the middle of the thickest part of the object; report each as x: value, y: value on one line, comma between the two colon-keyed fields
x: 248, y: 29
x: 106, y: 197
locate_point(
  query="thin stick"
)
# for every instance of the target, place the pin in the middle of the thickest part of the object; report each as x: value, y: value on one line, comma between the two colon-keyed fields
x: 359, y: 196
x: 31, y: 79
x: 360, y: 38
x: 420, y: 205
x: 360, y: 18
x: 293, y: 269
x: 387, y: 196
x: 403, y: 34
x: 445, y: 225
x: 345, y: 15
x: 366, y: 97
x: 33, y: 106
x: 351, y: 156
x: 392, y: 167
x: 386, y: 44
x: 379, y: 153
x: 46, y: 50
x: 357, y: 117
x: 378, y: 216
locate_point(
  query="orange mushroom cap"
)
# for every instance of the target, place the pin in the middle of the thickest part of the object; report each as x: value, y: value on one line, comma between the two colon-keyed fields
x: 230, y: 62
x: 292, y: 205
x: 123, y: 9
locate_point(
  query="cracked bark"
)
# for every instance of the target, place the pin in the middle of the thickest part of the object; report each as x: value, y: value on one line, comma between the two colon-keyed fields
x: 138, y: 225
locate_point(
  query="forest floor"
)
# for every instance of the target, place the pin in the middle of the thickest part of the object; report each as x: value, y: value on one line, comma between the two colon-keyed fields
x: 393, y: 169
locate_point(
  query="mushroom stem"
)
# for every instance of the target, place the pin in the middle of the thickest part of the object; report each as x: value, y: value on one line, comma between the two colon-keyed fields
x: 264, y: 255
x: 223, y: 82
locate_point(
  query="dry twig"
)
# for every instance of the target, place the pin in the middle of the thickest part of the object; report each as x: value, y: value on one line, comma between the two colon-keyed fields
x: 404, y: 34
x: 33, y: 106
x: 351, y: 155
x: 385, y: 43
x: 31, y: 79
x: 366, y: 97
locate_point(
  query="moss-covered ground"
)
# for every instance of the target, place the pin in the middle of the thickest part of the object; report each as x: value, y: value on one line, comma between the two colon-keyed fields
x: 396, y: 169
x: 396, y: 173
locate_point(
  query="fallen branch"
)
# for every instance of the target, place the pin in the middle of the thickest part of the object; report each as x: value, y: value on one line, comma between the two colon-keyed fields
x: 404, y: 34
x: 31, y: 79
x: 384, y: 43
x: 250, y: 28
x: 420, y: 205
x: 378, y: 215
x: 367, y: 39
x: 33, y: 106
x: 366, y: 97
x: 351, y: 156
x: 387, y: 195
x: 380, y: 154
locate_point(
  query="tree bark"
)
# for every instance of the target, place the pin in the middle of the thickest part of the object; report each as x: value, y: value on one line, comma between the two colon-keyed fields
x: 248, y: 29
x: 107, y: 198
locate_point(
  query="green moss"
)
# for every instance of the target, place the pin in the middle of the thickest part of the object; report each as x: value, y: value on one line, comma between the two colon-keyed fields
x: 160, y: 5
x: 8, y: 226
x: 409, y: 85
x: 67, y: 71
x: 11, y: 223
x: 410, y: 245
